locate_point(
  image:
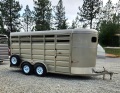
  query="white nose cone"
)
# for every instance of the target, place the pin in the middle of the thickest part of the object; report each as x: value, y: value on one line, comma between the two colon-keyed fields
x: 100, y: 54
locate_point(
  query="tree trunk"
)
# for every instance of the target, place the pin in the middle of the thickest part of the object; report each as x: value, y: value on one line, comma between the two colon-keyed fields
x: 91, y: 24
x: 27, y: 24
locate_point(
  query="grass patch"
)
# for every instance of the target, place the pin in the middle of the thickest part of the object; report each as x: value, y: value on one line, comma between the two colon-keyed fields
x: 112, y: 51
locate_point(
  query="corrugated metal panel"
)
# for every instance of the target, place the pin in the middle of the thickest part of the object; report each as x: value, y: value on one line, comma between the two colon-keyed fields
x: 37, y: 52
x: 50, y: 52
x: 62, y: 58
x: 50, y: 46
x: 25, y: 46
x: 15, y: 45
x: 63, y: 52
x: 3, y: 51
x: 51, y: 68
x: 38, y: 46
x: 27, y: 56
x: 3, y: 57
x: 39, y: 57
x: 62, y: 69
x: 26, y: 51
x: 62, y: 63
x: 14, y: 51
x: 50, y: 62
x: 63, y: 46
x: 49, y: 57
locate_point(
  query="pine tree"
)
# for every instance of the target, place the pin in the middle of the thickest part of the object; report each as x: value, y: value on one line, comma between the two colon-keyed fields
x: 118, y: 11
x: 75, y: 23
x: 89, y: 10
x: 42, y: 15
x: 73, y: 26
x: 107, y: 37
x: 10, y: 14
x: 60, y: 19
x: 106, y: 14
x: 1, y: 23
x: 118, y: 7
x: 108, y: 11
x: 2, y: 30
x: 28, y: 19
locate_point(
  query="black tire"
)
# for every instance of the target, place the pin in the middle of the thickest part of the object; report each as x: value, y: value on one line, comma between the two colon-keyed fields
x: 40, y: 69
x: 15, y: 60
x: 27, y: 68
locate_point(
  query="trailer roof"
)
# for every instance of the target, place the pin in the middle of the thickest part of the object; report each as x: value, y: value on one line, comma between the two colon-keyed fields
x: 51, y: 32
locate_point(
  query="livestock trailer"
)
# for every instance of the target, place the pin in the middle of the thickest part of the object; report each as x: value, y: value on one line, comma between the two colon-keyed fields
x: 71, y: 51
x: 4, y: 50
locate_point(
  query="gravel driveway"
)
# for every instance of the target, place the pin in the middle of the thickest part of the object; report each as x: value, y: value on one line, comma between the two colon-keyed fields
x: 13, y: 81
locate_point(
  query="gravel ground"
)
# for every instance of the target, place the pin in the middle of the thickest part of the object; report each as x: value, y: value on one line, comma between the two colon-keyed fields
x: 13, y: 81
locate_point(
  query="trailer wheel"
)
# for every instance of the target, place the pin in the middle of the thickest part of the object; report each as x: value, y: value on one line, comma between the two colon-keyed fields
x: 15, y: 60
x: 40, y: 69
x: 27, y: 68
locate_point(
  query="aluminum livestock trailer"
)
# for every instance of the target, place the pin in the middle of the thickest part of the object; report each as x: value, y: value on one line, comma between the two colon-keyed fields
x: 71, y: 51
x: 4, y: 50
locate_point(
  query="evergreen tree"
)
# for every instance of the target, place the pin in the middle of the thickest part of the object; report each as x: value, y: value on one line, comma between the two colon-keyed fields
x: 64, y: 25
x: 107, y: 37
x: 118, y: 11
x: 108, y: 11
x: 2, y: 30
x: 28, y: 19
x: 106, y: 14
x: 1, y: 23
x: 10, y: 14
x: 75, y: 23
x: 89, y: 10
x: 60, y: 19
x: 118, y: 7
x: 42, y: 15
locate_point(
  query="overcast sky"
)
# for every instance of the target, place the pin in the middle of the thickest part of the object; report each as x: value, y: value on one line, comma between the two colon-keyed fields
x: 71, y: 6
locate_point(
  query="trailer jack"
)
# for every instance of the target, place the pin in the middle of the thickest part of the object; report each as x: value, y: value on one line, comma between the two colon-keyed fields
x: 104, y: 72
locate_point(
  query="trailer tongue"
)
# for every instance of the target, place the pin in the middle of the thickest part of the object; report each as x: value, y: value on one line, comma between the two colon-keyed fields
x: 103, y: 72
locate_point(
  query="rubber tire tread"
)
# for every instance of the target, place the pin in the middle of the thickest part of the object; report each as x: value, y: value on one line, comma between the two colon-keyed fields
x: 44, y: 69
x: 31, y: 68
x: 18, y: 60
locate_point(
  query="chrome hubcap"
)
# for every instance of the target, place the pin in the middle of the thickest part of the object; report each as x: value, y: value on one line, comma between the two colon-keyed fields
x: 14, y: 60
x: 39, y: 70
x: 26, y: 69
